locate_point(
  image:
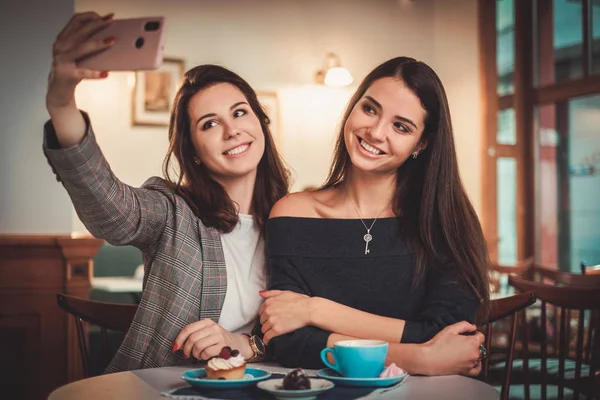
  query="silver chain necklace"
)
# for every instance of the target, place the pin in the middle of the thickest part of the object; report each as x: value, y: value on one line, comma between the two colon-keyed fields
x: 367, y: 237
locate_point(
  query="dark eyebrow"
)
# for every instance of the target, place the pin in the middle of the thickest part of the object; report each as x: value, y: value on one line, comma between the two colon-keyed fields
x: 377, y: 105
x: 214, y: 115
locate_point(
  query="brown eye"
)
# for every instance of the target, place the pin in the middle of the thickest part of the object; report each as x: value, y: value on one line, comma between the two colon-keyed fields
x: 239, y: 113
x: 368, y: 109
x: 401, y: 127
x: 209, y: 124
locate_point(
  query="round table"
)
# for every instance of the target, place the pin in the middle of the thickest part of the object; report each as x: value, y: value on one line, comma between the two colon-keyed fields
x: 148, y: 384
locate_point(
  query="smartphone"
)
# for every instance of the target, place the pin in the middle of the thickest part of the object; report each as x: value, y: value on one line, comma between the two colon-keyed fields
x: 139, y: 45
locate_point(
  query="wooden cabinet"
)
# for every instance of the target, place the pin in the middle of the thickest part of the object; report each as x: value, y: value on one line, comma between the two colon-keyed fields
x: 38, y: 342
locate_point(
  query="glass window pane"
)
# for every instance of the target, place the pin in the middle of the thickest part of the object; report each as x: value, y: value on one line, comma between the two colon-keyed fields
x: 506, y: 170
x: 568, y: 39
x: 505, y: 46
x: 584, y: 183
x: 568, y: 172
x: 507, y: 132
x: 559, y: 41
x: 595, y: 37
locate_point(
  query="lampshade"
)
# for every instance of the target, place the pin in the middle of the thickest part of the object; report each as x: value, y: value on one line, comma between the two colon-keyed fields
x: 333, y: 74
x: 338, y: 76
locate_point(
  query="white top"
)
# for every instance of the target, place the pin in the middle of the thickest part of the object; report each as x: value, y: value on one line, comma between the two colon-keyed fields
x: 244, y: 252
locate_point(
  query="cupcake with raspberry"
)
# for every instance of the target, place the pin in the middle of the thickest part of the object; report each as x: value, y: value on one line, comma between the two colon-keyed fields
x: 229, y: 365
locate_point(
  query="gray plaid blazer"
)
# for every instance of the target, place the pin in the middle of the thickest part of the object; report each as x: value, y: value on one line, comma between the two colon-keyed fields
x: 185, y: 277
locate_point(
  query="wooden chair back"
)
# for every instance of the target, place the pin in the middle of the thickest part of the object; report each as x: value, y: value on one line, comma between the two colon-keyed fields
x: 583, y: 300
x: 107, y: 316
x: 563, y: 278
x: 499, y: 309
x: 540, y: 274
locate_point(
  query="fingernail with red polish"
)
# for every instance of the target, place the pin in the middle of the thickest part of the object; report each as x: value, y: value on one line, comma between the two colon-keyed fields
x: 109, y: 40
x: 175, y: 347
x: 103, y: 74
x: 261, y: 291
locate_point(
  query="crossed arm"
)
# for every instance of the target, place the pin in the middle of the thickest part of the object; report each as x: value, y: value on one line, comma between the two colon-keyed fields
x: 298, y: 326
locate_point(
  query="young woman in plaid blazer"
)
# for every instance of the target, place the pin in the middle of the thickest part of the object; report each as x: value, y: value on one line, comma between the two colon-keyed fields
x: 227, y: 171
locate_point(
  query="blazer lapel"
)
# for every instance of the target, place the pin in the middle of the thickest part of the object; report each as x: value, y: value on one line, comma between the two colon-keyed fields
x: 214, y: 274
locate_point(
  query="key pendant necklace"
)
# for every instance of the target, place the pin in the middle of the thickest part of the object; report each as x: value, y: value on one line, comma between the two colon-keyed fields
x: 367, y: 237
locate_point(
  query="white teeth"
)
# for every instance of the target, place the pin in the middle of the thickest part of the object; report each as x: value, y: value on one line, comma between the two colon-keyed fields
x: 370, y: 149
x: 237, y: 150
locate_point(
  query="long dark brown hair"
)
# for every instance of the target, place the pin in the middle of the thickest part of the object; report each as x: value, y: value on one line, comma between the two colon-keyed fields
x: 204, y: 195
x: 441, y: 225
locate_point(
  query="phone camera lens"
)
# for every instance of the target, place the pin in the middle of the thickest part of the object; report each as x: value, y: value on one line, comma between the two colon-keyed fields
x: 151, y: 26
x: 139, y: 43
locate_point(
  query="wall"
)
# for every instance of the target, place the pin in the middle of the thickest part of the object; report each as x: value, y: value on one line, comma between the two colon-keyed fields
x: 31, y: 201
x: 276, y: 43
x: 456, y: 60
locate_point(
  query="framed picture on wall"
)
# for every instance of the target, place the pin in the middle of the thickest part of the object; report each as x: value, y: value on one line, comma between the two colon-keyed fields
x: 270, y: 103
x: 154, y: 92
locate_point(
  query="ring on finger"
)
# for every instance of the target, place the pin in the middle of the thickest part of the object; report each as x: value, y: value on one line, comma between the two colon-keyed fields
x: 482, y: 352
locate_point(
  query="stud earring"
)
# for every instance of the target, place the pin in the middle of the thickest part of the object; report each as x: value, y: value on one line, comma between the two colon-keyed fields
x: 197, y: 161
x: 415, y: 154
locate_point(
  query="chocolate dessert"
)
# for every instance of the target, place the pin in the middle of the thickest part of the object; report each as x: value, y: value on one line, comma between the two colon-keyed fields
x: 296, y: 380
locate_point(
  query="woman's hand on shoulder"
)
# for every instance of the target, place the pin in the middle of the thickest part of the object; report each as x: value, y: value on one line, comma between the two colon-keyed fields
x: 450, y: 352
x: 205, y: 338
x: 282, y: 312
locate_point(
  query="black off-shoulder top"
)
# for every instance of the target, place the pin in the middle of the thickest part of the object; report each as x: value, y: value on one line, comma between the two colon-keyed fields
x: 326, y: 258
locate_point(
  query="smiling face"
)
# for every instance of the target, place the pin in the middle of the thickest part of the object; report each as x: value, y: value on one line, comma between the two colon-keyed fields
x: 384, y: 127
x: 226, y: 134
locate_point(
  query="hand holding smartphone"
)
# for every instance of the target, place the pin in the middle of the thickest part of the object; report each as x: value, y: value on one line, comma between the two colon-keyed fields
x: 138, y: 45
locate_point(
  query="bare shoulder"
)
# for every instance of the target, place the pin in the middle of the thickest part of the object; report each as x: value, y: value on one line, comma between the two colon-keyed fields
x: 301, y: 204
x: 307, y: 204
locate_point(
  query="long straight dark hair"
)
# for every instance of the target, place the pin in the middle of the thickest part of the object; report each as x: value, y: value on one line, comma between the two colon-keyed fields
x: 205, y: 196
x: 441, y: 224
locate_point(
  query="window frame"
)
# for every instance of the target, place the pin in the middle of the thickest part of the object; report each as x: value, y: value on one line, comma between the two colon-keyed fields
x: 524, y: 100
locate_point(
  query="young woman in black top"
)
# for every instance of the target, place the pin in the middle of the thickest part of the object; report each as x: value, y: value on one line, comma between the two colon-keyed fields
x: 390, y: 246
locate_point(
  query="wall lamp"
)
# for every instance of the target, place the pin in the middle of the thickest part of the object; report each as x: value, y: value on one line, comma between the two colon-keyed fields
x: 332, y: 73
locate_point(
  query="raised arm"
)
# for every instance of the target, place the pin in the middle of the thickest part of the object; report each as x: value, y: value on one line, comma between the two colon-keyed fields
x: 72, y: 44
x: 109, y: 209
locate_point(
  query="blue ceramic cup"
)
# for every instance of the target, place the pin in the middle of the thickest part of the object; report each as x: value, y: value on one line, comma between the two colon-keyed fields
x: 357, y: 358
